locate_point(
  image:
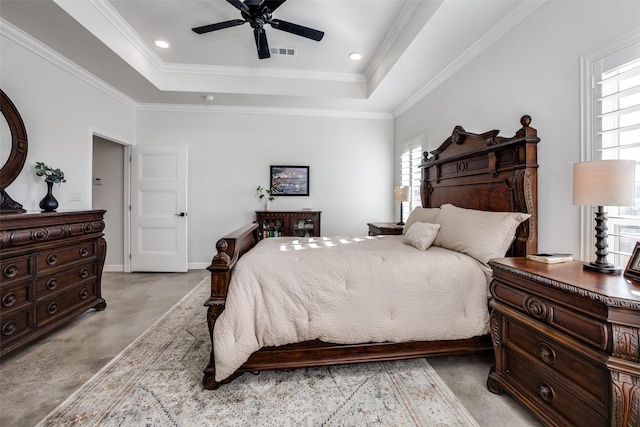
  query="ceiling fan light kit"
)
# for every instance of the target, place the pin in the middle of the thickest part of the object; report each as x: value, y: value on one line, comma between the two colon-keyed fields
x: 258, y: 13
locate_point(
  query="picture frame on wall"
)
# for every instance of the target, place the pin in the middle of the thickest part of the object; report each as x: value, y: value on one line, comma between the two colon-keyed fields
x: 633, y: 267
x: 290, y: 180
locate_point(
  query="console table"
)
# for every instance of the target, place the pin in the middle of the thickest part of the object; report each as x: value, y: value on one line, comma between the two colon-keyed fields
x: 50, y: 271
x: 566, y: 342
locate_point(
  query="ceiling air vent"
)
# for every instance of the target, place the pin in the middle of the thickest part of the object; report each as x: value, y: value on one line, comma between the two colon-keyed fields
x: 282, y: 51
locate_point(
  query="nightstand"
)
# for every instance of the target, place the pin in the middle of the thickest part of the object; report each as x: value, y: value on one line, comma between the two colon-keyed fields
x: 384, y: 228
x: 566, y: 342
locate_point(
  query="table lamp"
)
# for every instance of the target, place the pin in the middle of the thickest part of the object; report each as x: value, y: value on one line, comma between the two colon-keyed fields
x: 603, y: 183
x: 401, y: 194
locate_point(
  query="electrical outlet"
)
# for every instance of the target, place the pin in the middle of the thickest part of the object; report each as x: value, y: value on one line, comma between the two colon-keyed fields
x: 76, y: 196
x: 97, y: 181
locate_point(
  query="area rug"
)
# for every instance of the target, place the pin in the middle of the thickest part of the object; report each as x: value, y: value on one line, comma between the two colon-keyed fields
x: 156, y: 381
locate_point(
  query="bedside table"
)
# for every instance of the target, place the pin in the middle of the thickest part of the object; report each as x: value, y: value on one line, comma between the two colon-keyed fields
x: 566, y: 342
x: 384, y: 228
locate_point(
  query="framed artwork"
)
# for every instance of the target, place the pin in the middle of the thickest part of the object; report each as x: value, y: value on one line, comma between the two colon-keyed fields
x: 290, y: 180
x: 633, y: 268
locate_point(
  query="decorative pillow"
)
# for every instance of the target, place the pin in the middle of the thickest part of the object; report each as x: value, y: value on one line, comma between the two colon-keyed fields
x: 420, y: 214
x: 421, y: 235
x: 481, y: 234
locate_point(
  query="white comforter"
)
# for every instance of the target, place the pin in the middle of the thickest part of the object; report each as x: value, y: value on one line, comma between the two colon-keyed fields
x: 347, y: 290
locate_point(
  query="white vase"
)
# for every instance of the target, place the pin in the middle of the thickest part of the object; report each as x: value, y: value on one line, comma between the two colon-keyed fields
x: 267, y: 206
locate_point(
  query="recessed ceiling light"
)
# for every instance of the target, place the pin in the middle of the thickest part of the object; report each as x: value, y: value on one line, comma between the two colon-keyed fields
x: 355, y: 56
x: 162, y: 43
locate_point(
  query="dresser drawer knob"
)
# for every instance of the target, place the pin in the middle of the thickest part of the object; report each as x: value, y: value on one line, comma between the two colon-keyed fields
x: 9, y: 299
x: 547, y: 355
x: 84, y: 273
x: 52, y: 259
x: 84, y: 294
x: 10, y: 271
x: 52, y: 308
x: 536, y: 308
x: 546, y: 392
x: 84, y: 252
x: 9, y: 328
x: 52, y: 283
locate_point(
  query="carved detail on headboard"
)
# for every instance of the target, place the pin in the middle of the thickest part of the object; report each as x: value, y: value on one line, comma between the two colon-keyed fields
x: 486, y: 172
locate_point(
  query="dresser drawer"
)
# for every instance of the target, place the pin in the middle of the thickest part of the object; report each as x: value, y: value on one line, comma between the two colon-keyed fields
x: 49, y: 310
x: 16, y: 269
x: 64, y: 279
x: 15, y: 323
x: 588, y: 374
x: 61, y: 257
x: 587, y: 329
x: 15, y: 295
x: 544, y: 387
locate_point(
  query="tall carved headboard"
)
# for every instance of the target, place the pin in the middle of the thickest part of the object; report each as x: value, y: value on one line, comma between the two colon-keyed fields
x: 487, y: 172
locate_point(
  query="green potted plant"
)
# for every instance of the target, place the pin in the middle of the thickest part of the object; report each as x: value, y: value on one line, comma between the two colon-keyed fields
x: 266, y: 194
x: 51, y: 176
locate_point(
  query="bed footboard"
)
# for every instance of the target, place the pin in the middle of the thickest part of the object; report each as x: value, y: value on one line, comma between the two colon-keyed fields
x: 229, y: 249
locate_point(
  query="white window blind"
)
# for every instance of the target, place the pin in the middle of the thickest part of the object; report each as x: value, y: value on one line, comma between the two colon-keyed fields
x: 616, y: 135
x: 410, y: 173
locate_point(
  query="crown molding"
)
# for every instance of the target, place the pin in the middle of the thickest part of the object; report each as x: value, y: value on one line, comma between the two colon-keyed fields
x: 24, y: 40
x: 506, y: 24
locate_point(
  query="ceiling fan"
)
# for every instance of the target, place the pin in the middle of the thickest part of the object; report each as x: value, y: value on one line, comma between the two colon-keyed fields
x: 258, y: 13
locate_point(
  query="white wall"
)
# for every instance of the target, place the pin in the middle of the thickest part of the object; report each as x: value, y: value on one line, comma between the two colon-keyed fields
x: 535, y: 70
x: 350, y: 162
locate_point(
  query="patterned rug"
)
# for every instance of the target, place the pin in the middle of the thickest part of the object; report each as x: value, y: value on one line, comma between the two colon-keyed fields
x: 156, y: 381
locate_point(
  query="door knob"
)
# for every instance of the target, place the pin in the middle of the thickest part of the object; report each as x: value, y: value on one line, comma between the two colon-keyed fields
x: 181, y: 214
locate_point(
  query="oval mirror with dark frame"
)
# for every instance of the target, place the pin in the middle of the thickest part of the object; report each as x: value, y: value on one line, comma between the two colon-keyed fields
x: 14, y: 155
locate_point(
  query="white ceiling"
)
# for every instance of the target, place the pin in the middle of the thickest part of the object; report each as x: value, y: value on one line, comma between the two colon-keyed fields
x: 408, y: 47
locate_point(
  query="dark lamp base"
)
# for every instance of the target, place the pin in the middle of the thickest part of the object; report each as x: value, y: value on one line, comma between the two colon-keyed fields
x: 602, y: 268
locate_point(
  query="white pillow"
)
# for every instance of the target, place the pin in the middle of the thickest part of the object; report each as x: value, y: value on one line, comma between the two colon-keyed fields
x: 421, y: 235
x: 483, y: 235
x: 421, y: 214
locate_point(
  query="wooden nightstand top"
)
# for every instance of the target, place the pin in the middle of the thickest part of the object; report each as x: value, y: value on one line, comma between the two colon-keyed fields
x: 610, y: 289
x: 384, y: 228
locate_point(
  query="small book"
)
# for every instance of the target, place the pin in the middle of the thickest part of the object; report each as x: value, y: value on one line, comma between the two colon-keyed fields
x: 552, y: 258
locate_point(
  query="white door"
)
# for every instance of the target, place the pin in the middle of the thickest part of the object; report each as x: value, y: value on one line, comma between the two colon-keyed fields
x: 159, y: 208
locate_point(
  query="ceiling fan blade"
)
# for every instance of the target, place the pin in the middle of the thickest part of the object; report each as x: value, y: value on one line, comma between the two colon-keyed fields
x: 296, y: 29
x: 272, y: 4
x: 261, y: 43
x: 218, y: 26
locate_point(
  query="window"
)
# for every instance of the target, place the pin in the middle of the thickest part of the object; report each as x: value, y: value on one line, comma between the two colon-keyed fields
x: 410, y: 172
x: 612, y: 131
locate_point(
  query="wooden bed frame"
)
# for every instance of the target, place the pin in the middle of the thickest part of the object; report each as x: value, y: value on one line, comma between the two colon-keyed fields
x: 475, y: 171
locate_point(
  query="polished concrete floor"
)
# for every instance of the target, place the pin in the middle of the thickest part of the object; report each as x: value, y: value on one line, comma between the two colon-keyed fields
x: 35, y: 379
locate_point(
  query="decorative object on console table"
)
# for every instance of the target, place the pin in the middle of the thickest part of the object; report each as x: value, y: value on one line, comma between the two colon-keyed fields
x: 268, y: 195
x: 50, y: 271
x: 290, y: 180
x: 633, y: 267
x: 603, y: 183
x: 384, y: 228
x: 304, y: 223
x: 51, y: 176
x: 552, y: 258
x: 566, y: 342
x: 401, y: 194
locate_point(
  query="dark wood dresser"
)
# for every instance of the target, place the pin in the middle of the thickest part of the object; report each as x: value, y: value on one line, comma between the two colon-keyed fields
x: 50, y: 271
x: 566, y: 342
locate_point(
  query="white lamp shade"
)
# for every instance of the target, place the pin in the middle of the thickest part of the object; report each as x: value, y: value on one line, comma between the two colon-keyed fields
x: 604, y: 183
x: 401, y: 193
